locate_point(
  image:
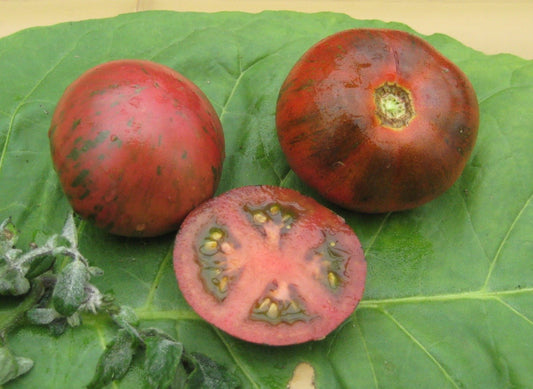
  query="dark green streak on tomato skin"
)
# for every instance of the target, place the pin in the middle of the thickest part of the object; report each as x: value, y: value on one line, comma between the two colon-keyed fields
x: 337, y: 149
x: 100, y: 138
x: 139, y: 88
x: 75, y: 124
x: 80, y: 178
x: 88, y: 145
x: 98, y: 92
x: 85, y: 194
x: 74, y: 154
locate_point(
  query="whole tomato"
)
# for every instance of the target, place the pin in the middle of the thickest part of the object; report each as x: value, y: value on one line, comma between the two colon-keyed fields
x: 136, y: 146
x: 377, y: 120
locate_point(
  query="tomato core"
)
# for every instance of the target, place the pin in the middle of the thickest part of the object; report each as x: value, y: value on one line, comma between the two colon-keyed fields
x: 394, y: 105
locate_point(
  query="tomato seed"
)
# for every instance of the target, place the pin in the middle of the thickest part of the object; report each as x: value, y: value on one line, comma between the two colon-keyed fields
x: 263, y: 306
x: 333, y: 280
x: 211, y: 244
x: 223, y: 284
x: 274, y: 209
x: 260, y: 217
x: 216, y: 234
x: 273, y: 311
x: 210, y: 247
x: 286, y: 218
x: 293, y: 308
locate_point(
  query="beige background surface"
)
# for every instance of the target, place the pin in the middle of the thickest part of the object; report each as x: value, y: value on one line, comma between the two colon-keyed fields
x: 492, y: 26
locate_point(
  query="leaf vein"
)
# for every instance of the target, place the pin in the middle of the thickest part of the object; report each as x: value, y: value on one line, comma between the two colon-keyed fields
x: 504, y: 241
x: 331, y: 344
x: 173, y: 42
x: 157, y: 279
x: 378, y: 232
x: 419, y: 344
x: 233, y: 90
x: 23, y: 102
x: 367, y: 352
x: 284, y: 177
x: 500, y: 91
x: 471, y: 222
x: 237, y: 361
x: 174, y: 314
x: 468, y: 295
x: 515, y: 311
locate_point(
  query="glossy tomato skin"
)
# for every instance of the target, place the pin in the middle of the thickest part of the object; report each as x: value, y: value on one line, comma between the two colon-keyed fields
x: 136, y: 146
x: 269, y: 265
x: 334, y: 139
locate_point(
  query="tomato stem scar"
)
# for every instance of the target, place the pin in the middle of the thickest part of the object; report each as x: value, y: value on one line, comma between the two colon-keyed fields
x: 394, y: 105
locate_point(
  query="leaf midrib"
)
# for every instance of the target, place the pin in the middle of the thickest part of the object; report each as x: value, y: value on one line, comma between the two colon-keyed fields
x: 445, y: 297
x: 184, y: 314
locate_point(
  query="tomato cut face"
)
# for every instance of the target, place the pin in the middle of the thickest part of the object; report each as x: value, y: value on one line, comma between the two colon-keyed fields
x: 136, y: 146
x: 377, y: 120
x: 269, y: 265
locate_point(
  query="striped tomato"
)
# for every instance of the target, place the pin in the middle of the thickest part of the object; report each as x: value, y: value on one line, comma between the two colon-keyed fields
x: 377, y: 120
x: 136, y: 146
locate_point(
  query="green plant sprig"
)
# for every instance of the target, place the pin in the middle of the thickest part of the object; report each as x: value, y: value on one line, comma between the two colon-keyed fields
x: 54, y: 281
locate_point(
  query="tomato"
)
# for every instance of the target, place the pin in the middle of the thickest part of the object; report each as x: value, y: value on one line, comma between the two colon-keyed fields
x: 269, y: 265
x: 377, y: 120
x: 136, y: 146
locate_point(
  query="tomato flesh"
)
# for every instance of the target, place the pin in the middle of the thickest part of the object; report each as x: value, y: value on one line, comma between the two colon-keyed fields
x: 269, y: 265
x: 136, y: 146
x: 377, y: 120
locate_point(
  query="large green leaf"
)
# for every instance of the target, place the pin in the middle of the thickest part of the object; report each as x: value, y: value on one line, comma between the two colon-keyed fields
x: 449, y: 297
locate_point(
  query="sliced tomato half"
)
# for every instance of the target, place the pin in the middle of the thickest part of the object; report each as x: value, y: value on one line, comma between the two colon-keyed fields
x: 269, y: 265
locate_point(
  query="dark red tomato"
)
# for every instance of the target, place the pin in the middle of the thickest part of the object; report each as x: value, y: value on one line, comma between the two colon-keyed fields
x: 136, y: 146
x: 269, y: 265
x: 377, y: 120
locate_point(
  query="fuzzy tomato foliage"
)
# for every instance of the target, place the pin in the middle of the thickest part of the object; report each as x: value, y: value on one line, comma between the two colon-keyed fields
x: 136, y: 146
x: 269, y: 265
x: 377, y: 120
